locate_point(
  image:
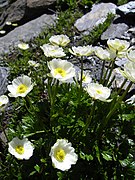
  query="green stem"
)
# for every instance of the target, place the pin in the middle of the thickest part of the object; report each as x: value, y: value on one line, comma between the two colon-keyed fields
x: 32, y: 134
x: 102, y: 71
x: 89, y: 119
x: 80, y: 89
x: 28, y: 104
x: 122, y: 85
x: 110, y: 72
x: 104, y: 78
x: 111, y: 112
x: 110, y: 83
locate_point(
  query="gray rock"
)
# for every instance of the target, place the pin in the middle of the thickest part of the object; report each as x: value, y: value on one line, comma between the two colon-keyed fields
x: 3, y: 79
x: 97, y: 15
x: 14, y: 13
x: 128, y: 8
x: 41, y: 3
x: 114, y: 31
x: 3, y: 3
x: 25, y: 32
x: 22, y: 11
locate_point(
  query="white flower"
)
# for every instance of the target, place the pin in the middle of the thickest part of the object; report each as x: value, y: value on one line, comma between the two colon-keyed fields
x: 60, y: 40
x: 33, y: 63
x: 129, y: 71
x: 118, y: 46
x: 61, y: 69
x: 8, y: 23
x: 52, y: 51
x: 131, y: 54
x: 14, y: 24
x: 2, y: 31
x: 131, y: 100
x: 3, y: 101
x: 21, y: 149
x: 63, y: 155
x: 23, y: 46
x: 86, y: 79
x: 21, y: 86
x: 81, y: 50
x: 104, y: 54
x: 98, y: 91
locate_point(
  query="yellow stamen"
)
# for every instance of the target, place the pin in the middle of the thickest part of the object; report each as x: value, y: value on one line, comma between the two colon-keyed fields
x: 22, y: 88
x: 60, y: 155
x: 19, y: 149
x: 60, y: 71
x: 99, y: 91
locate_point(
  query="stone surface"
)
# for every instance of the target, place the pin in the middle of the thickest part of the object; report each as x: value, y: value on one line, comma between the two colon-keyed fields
x: 41, y: 3
x: 128, y: 8
x: 114, y: 31
x: 3, y: 79
x: 14, y: 13
x: 22, y: 11
x: 25, y: 32
x: 97, y: 15
x: 3, y: 3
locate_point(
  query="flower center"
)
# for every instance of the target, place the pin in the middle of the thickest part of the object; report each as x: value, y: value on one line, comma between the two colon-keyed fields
x: 22, y: 88
x: 60, y: 71
x: 19, y: 149
x: 83, y: 78
x: 60, y: 155
x: 99, y: 91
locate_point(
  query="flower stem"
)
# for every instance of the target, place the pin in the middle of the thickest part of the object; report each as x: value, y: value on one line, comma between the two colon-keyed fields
x: 102, y: 71
x: 104, y: 78
x: 32, y: 134
x: 111, y: 112
x: 110, y: 72
x: 80, y: 89
x: 90, y: 117
x: 122, y: 85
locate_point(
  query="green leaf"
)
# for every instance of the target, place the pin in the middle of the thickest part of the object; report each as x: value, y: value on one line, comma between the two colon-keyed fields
x: 37, y: 167
x: 32, y: 173
x: 106, y: 156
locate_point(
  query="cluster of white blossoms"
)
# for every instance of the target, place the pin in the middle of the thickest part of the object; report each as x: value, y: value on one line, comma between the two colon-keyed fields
x: 62, y: 153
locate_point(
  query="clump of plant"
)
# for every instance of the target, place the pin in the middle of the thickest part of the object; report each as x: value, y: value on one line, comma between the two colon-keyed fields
x: 63, y: 124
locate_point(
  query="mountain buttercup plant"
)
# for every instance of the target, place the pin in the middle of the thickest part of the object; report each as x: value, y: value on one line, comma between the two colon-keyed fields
x: 64, y: 123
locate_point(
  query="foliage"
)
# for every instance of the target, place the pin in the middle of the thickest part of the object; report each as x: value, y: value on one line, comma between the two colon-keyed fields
x: 101, y: 132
